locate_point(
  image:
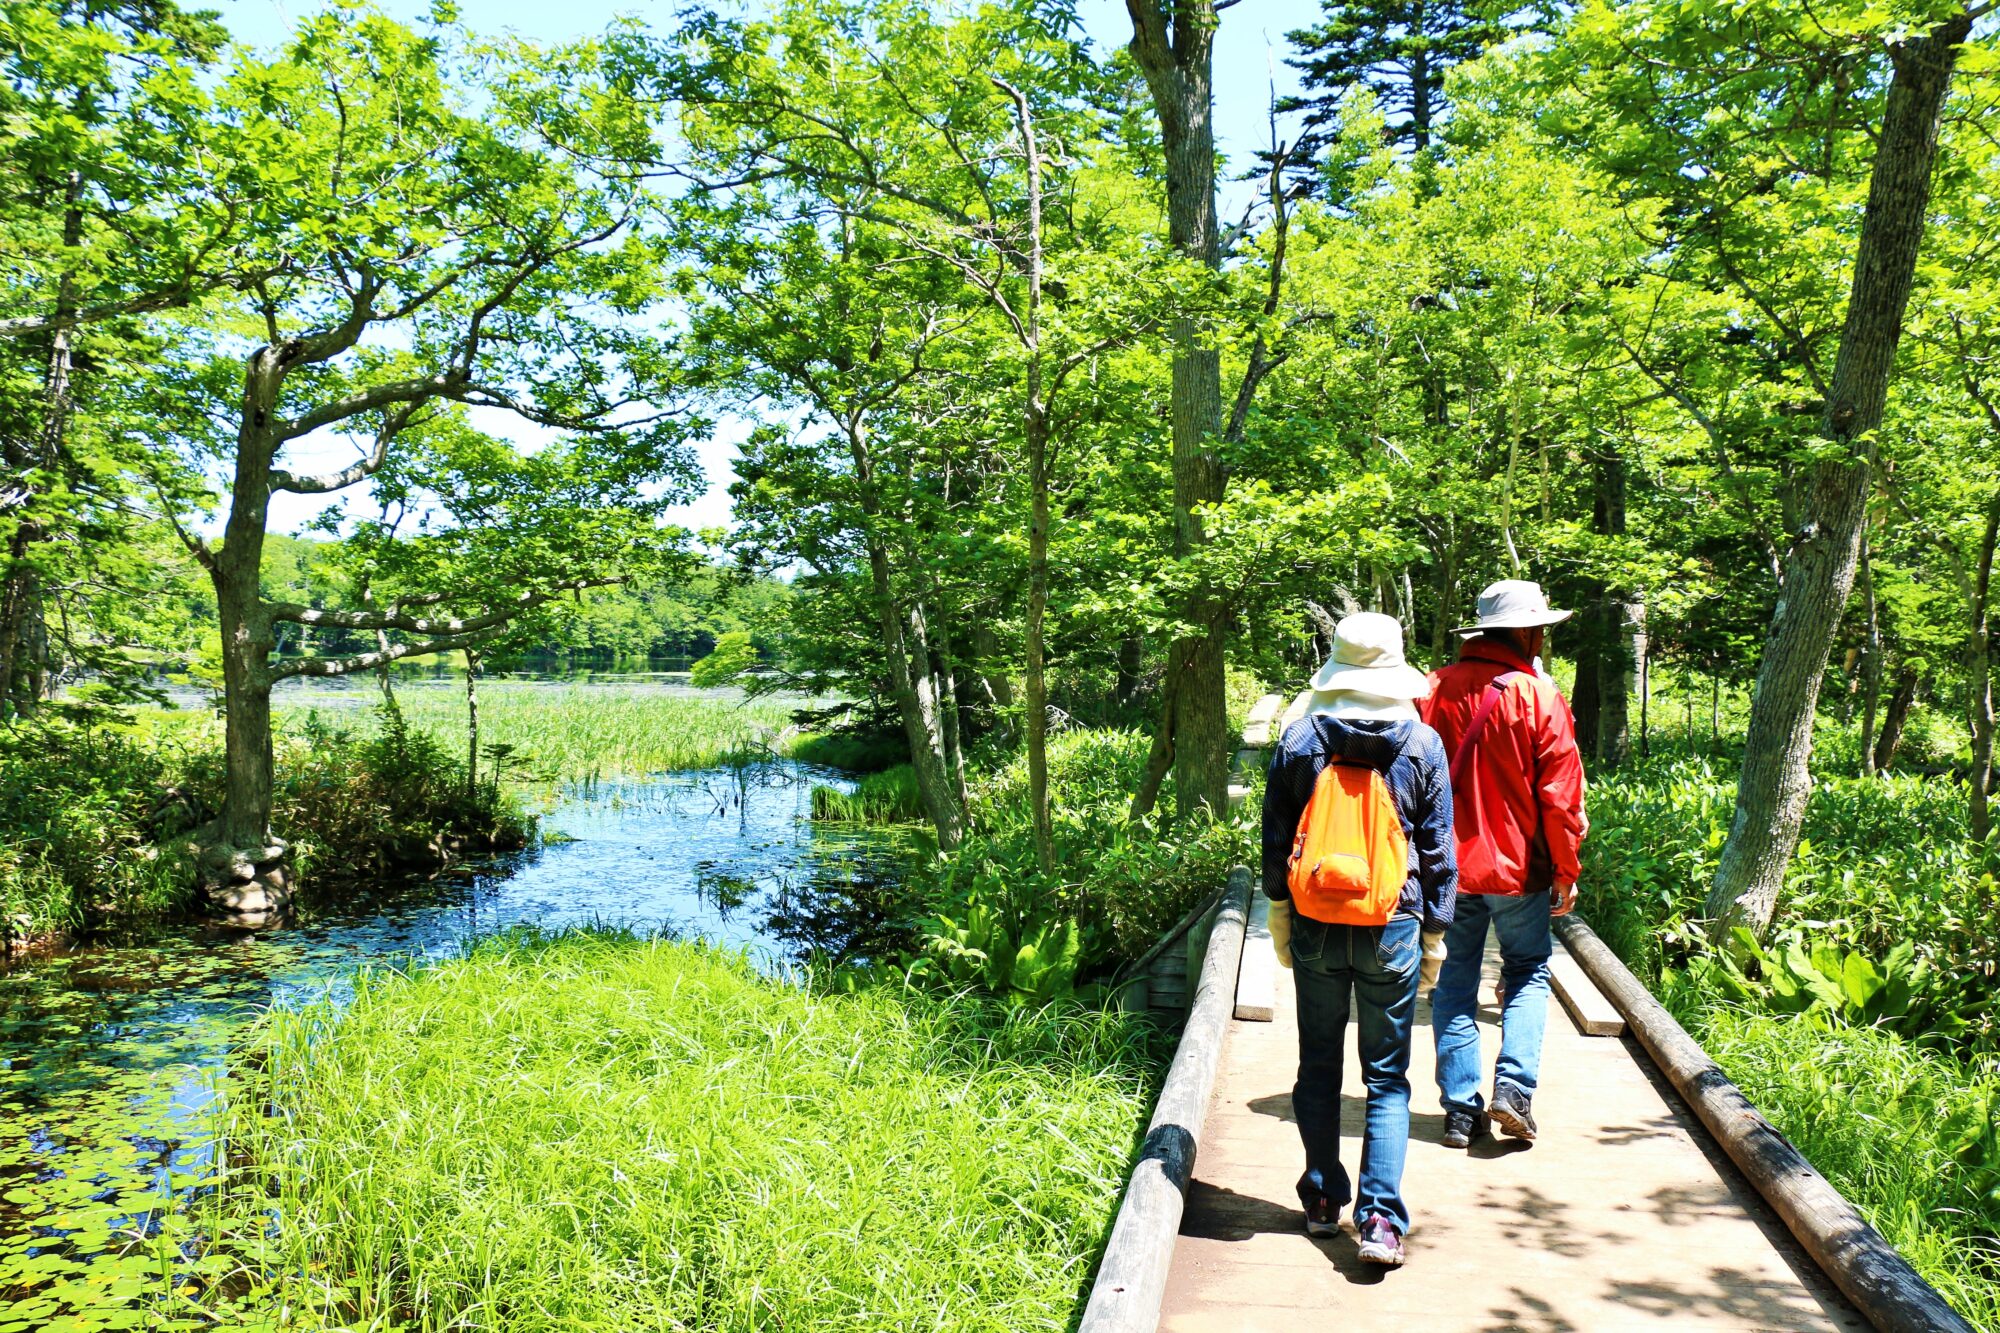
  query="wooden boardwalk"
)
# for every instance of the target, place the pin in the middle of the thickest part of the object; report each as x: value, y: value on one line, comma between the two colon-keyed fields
x: 1623, y: 1216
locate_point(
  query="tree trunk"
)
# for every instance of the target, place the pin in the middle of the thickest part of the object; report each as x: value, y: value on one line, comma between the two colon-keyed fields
x: 1901, y: 699
x: 1035, y: 429
x: 1173, y: 45
x: 1615, y: 621
x: 1131, y: 670
x: 1447, y: 613
x: 1819, y: 568
x: 1160, y: 757
x: 1038, y: 601
x: 909, y: 652
x: 1871, y: 661
x: 471, y: 723
x: 247, y: 632
x: 1420, y: 99
x: 1586, y: 696
x: 23, y: 631
x: 1979, y: 811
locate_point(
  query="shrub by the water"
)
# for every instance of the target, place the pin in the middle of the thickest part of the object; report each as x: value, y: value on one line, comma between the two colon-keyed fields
x: 89, y: 815
x: 99, y: 820
x: 598, y: 1131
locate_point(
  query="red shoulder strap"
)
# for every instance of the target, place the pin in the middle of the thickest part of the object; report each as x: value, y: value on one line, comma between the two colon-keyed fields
x: 1495, y: 688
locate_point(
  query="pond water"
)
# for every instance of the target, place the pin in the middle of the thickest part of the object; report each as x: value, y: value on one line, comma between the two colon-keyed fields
x: 108, y: 1052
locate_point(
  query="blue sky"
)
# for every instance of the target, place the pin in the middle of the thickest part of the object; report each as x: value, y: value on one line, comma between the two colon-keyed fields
x: 1249, y: 55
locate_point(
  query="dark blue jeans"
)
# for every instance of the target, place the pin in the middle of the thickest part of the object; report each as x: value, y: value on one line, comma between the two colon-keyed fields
x: 1374, y: 968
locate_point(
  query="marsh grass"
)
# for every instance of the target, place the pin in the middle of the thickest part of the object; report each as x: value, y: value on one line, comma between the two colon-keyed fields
x: 888, y: 797
x: 599, y: 1131
x: 578, y: 732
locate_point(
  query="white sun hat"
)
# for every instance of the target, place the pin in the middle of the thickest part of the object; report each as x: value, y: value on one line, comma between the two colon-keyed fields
x: 1513, y: 604
x: 1368, y: 659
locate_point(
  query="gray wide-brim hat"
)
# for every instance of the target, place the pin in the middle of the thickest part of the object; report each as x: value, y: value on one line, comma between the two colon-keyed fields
x: 1513, y: 604
x: 1368, y: 659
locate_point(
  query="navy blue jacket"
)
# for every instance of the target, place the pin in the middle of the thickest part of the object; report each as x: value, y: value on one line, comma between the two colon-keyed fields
x: 1411, y: 759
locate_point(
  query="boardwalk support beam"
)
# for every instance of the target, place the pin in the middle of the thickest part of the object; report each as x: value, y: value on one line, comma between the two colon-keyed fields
x: 1861, y: 1263
x: 1132, y: 1279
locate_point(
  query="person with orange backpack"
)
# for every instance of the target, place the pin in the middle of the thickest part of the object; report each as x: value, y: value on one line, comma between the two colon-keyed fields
x: 1360, y: 868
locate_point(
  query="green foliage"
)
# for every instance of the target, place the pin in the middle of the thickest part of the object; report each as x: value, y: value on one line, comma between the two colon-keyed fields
x: 734, y: 654
x: 855, y: 751
x: 671, y: 1097
x: 1788, y: 976
x: 1866, y: 1028
x: 358, y: 804
x: 1116, y: 886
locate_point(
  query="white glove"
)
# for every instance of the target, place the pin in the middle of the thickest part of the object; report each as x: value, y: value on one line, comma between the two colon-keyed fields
x: 1432, y: 963
x: 1280, y: 922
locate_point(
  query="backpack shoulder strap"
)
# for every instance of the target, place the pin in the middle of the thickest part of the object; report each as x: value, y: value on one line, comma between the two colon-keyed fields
x: 1495, y: 689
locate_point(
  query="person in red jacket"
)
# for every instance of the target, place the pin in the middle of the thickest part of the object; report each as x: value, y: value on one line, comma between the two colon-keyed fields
x: 1517, y: 803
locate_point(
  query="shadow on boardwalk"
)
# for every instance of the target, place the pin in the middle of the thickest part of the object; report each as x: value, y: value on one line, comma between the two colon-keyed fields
x: 1622, y: 1217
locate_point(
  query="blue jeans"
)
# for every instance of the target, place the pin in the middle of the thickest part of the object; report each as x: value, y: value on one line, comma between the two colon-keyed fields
x: 1377, y: 965
x: 1522, y: 924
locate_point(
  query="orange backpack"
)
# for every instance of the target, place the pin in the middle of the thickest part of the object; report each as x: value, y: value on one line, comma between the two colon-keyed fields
x: 1351, y: 858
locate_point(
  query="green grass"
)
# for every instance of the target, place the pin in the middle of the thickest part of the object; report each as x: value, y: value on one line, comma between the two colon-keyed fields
x: 1870, y: 1111
x: 600, y: 731
x: 888, y: 797
x: 595, y: 1131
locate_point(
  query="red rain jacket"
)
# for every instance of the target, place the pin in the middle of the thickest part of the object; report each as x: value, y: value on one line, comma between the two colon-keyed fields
x: 1517, y: 799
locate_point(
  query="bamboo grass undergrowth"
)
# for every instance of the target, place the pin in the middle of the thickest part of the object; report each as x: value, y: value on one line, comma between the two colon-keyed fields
x: 600, y: 1131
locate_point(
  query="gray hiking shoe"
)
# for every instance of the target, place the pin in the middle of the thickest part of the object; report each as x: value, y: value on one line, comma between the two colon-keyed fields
x: 1511, y: 1111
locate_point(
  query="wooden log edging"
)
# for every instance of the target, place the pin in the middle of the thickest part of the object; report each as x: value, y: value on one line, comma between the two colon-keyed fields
x: 1132, y: 1278
x: 1866, y: 1268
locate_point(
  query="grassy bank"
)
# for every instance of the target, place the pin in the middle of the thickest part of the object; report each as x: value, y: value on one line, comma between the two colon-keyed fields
x: 1868, y: 1027
x: 603, y: 1132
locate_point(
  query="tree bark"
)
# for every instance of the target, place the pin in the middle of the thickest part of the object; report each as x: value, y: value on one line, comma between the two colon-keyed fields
x: 1979, y: 804
x: 909, y: 652
x: 471, y: 723
x: 1131, y: 668
x: 1035, y: 429
x: 245, y: 624
x: 23, y: 630
x: 1586, y: 698
x: 1619, y: 627
x: 1173, y: 45
x: 1901, y: 699
x: 1871, y: 661
x: 1819, y: 568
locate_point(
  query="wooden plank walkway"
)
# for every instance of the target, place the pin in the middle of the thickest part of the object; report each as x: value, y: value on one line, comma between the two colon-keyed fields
x: 1623, y: 1216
